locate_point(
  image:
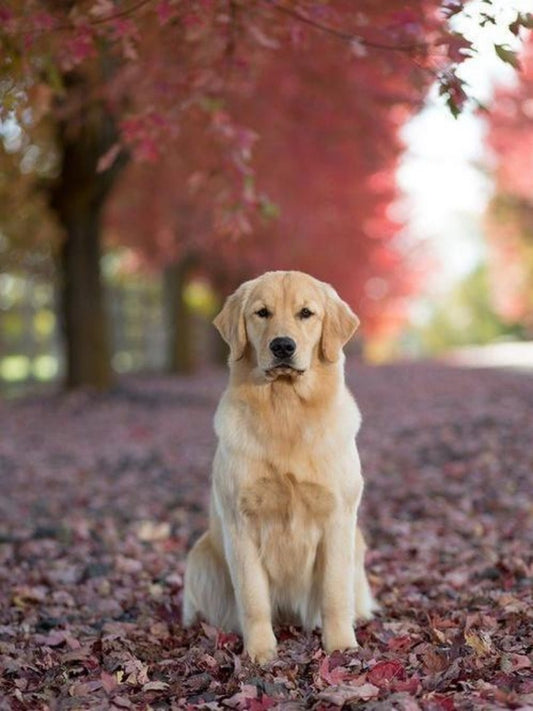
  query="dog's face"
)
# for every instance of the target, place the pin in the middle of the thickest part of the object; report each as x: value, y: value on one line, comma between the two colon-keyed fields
x: 284, y: 322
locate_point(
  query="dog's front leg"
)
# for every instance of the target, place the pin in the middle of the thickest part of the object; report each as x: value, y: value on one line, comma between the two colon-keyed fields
x: 252, y: 595
x: 337, y: 606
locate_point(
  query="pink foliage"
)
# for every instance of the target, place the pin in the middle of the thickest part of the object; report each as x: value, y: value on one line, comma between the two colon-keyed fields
x: 510, y: 218
x: 268, y: 108
x: 78, y: 48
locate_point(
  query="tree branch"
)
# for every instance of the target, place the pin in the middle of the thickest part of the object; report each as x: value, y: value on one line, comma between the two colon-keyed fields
x: 99, y: 21
x: 346, y: 36
x: 122, y: 13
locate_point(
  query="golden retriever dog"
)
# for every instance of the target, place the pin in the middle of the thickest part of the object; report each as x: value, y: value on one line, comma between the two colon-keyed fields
x: 283, y: 544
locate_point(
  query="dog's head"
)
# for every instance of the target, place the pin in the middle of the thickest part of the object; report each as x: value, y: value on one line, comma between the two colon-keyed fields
x: 285, y: 322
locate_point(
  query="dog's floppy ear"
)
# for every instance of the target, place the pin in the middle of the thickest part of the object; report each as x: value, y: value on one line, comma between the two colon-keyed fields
x: 340, y: 323
x: 230, y: 323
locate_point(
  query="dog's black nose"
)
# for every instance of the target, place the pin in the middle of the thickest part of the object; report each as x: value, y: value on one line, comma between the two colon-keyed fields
x: 282, y: 347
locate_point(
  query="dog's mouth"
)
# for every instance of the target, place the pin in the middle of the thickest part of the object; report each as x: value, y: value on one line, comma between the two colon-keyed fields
x: 283, y: 370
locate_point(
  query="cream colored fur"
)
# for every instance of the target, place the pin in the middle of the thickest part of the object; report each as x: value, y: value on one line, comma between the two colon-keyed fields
x: 283, y: 543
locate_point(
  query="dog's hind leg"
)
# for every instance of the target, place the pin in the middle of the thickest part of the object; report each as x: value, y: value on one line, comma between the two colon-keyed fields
x: 208, y: 591
x: 365, y: 604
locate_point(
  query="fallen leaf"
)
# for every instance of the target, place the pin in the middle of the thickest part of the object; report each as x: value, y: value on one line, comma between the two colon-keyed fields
x: 109, y: 681
x: 150, y: 531
x: 514, y: 662
x: 84, y: 688
x: 155, y: 686
x: 383, y: 673
x: 342, y: 694
x: 479, y: 642
x: 335, y: 676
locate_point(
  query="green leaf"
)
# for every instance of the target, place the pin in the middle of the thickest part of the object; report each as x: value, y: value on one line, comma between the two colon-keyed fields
x: 526, y: 20
x: 212, y: 104
x: 269, y: 210
x: 454, y: 109
x: 507, y: 55
x: 53, y: 76
x: 523, y: 19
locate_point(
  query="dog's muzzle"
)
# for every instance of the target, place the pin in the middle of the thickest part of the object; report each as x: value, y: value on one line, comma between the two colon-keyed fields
x: 283, y: 349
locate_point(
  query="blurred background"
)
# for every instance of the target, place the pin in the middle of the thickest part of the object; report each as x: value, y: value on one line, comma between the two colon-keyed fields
x: 154, y: 155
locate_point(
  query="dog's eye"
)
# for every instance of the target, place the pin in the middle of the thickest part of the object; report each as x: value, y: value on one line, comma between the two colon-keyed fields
x: 305, y: 313
x: 263, y: 313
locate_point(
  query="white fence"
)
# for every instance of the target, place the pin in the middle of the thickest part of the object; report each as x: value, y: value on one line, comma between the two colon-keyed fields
x: 31, y: 339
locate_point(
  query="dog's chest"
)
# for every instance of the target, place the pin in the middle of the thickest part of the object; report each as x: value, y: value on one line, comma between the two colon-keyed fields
x: 283, y: 499
x: 286, y: 516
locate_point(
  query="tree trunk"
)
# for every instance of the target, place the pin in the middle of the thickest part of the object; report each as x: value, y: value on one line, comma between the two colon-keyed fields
x: 82, y: 302
x: 78, y: 199
x: 181, y: 356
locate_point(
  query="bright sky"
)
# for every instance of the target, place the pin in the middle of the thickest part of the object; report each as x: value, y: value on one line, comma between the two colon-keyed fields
x: 441, y: 175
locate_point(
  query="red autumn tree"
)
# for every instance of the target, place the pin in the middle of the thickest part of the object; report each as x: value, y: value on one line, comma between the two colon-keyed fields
x: 127, y: 78
x: 509, y: 222
x: 328, y: 161
x: 325, y: 155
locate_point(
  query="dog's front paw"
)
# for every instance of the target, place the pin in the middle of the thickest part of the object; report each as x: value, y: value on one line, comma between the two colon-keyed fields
x: 261, y: 647
x: 339, y: 639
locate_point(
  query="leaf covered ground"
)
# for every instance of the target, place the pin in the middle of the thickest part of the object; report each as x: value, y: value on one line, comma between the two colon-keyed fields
x: 102, y: 495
